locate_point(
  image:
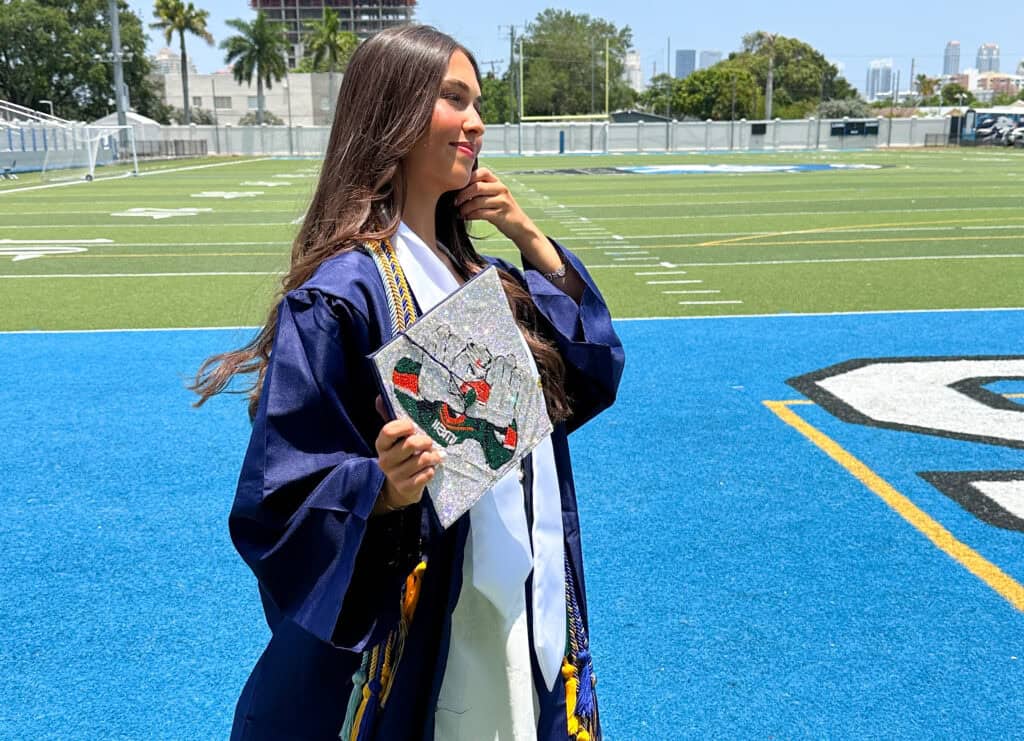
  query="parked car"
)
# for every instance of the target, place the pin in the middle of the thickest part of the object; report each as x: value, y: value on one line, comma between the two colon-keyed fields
x: 1016, y: 137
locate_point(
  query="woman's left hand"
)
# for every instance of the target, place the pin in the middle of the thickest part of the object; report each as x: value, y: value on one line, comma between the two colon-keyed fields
x: 487, y: 198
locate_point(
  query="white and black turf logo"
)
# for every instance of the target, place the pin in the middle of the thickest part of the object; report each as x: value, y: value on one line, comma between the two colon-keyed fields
x: 942, y: 396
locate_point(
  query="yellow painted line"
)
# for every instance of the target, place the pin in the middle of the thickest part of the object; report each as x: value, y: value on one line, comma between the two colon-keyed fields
x: 832, y: 229
x: 974, y: 562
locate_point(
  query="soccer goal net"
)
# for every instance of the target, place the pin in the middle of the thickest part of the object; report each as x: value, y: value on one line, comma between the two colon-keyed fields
x: 76, y: 151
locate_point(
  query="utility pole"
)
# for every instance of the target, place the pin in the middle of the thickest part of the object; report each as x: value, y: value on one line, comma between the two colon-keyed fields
x: 607, y: 69
x: 912, y: 60
x: 732, y: 114
x: 119, y: 89
x: 520, y: 95
x: 769, y: 85
x: 668, y: 69
x: 513, y: 80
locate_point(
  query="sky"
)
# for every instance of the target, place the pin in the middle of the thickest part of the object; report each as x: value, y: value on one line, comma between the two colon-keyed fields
x: 851, y: 36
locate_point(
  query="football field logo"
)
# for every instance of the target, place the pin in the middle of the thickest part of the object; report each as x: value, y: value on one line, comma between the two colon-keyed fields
x: 962, y: 398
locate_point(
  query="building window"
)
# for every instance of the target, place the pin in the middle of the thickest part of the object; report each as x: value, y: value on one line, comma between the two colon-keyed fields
x: 222, y: 101
x: 254, y: 102
x: 197, y: 100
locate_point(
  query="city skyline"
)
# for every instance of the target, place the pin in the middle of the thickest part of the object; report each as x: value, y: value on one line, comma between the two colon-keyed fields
x: 913, y: 30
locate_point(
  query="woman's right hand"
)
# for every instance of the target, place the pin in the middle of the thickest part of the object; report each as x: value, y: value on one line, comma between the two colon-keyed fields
x: 408, y: 459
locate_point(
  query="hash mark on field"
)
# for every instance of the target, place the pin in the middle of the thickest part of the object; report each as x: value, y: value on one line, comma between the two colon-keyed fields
x: 633, y: 252
x: 634, y: 258
x: 672, y: 282
x: 707, y: 303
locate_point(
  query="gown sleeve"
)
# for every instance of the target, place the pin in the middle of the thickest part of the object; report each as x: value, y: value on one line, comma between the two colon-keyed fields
x: 301, y: 516
x: 584, y: 335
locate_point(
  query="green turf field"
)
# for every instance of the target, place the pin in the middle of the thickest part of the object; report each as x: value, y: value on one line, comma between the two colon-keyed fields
x: 201, y: 242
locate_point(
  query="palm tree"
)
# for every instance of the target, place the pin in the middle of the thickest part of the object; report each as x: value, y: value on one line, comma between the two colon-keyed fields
x: 260, y: 47
x: 181, y: 18
x: 927, y: 85
x: 327, y: 43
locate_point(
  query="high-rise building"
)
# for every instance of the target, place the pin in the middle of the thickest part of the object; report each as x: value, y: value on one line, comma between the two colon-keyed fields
x: 686, y: 62
x: 879, y: 83
x: 988, y: 58
x: 362, y: 17
x: 168, y: 62
x: 709, y: 59
x: 951, y: 59
x: 632, y: 72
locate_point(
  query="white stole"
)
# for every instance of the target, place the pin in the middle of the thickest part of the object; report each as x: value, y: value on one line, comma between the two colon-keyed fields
x: 501, y: 544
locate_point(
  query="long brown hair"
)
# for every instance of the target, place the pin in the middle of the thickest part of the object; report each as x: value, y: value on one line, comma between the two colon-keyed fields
x: 384, y: 106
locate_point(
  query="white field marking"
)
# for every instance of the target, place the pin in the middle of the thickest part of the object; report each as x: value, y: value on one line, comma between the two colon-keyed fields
x: 808, y: 213
x: 108, y: 242
x: 813, y: 314
x: 26, y: 252
x: 159, y: 213
x: 851, y: 229
x: 233, y: 224
x: 228, y: 194
x: 691, y: 318
x: 138, y: 275
x: 584, y: 218
x: 299, y: 219
x: 265, y: 183
x: 671, y: 282
x: 128, y: 175
x: 707, y: 303
x: 613, y: 254
x: 623, y: 259
x: 698, y: 291
x: 128, y: 329
x: 295, y: 175
x: 56, y: 241
x: 909, y: 258
x: 751, y: 202
x: 662, y: 272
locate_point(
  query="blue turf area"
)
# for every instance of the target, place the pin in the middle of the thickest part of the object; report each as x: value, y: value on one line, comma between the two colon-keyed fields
x: 742, y: 584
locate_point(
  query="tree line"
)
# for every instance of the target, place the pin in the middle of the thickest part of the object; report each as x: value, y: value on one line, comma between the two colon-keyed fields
x: 562, y: 64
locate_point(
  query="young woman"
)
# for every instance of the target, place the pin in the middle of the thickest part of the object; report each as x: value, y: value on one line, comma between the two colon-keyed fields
x: 385, y: 625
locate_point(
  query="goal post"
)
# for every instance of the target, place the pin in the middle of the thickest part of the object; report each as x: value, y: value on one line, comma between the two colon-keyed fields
x: 76, y: 151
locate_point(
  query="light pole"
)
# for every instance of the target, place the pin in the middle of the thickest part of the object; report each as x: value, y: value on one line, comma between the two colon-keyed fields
x: 960, y: 123
x: 49, y: 103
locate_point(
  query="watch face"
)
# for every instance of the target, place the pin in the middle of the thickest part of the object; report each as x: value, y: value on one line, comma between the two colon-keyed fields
x: 464, y: 374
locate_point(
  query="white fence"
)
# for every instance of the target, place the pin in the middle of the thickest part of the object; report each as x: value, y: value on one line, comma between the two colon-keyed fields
x: 534, y: 138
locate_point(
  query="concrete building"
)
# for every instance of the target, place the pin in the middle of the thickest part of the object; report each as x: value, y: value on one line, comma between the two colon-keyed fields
x: 951, y: 59
x: 362, y: 17
x: 709, y: 59
x: 686, y: 62
x: 988, y: 58
x: 880, y: 79
x: 309, y: 96
x: 632, y: 72
x: 999, y: 83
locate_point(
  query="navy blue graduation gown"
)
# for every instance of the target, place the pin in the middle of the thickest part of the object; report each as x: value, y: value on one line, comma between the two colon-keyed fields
x: 330, y: 575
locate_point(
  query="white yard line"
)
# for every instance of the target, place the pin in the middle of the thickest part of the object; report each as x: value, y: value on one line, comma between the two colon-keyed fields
x: 672, y: 282
x: 129, y: 175
x: 707, y: 303
x: 47, y: 276
x: 716, y: 317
